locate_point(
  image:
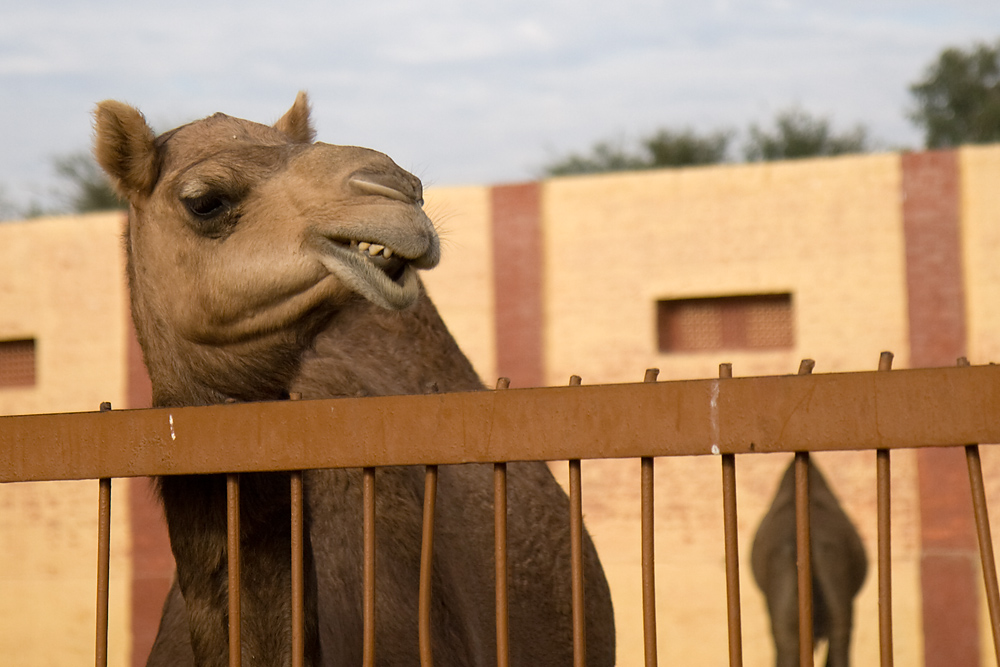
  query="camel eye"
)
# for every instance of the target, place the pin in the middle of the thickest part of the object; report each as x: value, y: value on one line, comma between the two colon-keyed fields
x: 207, y: 206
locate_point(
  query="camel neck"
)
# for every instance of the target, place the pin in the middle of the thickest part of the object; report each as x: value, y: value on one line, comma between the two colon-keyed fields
x: 369, y: 351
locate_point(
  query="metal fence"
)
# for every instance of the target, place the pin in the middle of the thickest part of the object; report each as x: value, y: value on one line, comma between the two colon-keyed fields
x: 879, y: 411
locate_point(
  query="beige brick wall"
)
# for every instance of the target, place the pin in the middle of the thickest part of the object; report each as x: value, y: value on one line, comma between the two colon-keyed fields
x: 462, y: 285
x: 980, y: 200
x: 48, y: 561
x: 829, y: 232
x: 62, y: 284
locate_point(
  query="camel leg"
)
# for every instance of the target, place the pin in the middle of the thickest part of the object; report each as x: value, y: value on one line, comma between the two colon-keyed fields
x: 837, y: 583
x: 783, y: 606
x: 840, y: 621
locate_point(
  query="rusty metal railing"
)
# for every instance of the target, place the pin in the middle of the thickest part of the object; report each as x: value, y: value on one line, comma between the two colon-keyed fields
x: 803, y: 548
x: 726, y: 416
x: 883, y: 511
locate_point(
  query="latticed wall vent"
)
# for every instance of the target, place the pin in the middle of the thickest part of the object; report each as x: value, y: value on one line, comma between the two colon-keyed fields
x: 747, y: 322
x: 17, y: 363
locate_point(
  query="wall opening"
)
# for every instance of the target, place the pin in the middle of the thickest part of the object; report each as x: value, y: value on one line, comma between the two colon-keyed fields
x: 745, y: 322
x: 17, y: 363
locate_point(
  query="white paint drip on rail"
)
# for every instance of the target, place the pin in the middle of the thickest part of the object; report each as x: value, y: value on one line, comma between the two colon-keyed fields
x: 714, y: 416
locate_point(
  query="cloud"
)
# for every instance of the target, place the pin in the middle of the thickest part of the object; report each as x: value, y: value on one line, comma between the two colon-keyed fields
x: 466, y: 92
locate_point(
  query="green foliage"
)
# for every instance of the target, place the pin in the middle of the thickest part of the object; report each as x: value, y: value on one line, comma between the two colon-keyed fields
x: 797, y: 134
x: 604, y: 156
x: 958, y: 99
x: 89, y: 188
x: 665, y: 148
x: 685, y: 148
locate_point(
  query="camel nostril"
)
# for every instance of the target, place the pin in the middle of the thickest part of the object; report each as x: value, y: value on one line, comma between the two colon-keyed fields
x: 393, y: 186
x: 376, y: 189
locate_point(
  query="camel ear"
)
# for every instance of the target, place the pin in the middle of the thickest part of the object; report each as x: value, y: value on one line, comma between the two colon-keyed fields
x: 124, y: 147
x: 296, y: 123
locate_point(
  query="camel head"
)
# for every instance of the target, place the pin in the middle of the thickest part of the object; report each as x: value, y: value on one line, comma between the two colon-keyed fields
x: 244, y: 238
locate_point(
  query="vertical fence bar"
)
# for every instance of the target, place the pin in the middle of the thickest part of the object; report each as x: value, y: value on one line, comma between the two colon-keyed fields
x: 648, y: 564
x: 500, y: 553
x: 298, y: 561
x: 427, y: 567
x: 803, y: 546
x: 103, y: 563
x: 735, y: 622
x: 884, y: 511
x: 103, y: 569
x: 576, y: 556
x: 985, y: 537
x: 298, y: 578
x: 803, y: 558
x: 985, y: 542
x: 368, y: 603
x: 233, y: 544
x: 884, y: 514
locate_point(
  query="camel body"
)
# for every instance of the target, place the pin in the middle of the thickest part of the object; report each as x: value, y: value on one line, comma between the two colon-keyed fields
x: 262, y: 264
x: 839, y: 566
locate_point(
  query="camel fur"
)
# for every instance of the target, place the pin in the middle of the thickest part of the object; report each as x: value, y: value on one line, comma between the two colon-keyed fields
x: 839, y: 566
x: 261, y: 263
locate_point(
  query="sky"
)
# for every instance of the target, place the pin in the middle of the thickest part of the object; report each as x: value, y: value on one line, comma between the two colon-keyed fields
x: 468, y: 92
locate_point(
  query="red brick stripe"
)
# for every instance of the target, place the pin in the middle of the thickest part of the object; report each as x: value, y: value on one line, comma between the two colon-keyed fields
x: 517, y: 275
x: 152, y: 561
x: 931, y: 212
x: 936, y: 302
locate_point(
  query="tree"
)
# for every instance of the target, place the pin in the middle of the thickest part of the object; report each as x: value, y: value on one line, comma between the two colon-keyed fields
x: 89, y: 188
x: 604, y: 156
x: 680, y: 149
x: 797, y: 134
x: 958, y: 99
x: 664, y: 148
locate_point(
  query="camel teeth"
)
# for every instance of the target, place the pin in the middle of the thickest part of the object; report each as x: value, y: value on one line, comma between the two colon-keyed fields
x: 372, y: 249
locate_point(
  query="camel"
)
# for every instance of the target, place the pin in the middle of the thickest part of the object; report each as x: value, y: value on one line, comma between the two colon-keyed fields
x: 261, y: 263
x: 839, y: 566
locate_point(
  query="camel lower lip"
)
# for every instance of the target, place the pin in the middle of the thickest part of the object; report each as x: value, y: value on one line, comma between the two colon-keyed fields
x: 393, y: 268
x: 389, y: 283
x: 382, y: 257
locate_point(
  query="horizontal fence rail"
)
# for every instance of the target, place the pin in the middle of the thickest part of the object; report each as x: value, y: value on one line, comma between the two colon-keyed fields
x: 876, y: 410
x: 835, y: 411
